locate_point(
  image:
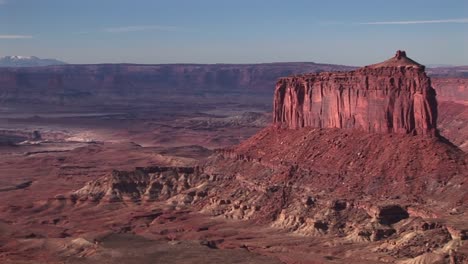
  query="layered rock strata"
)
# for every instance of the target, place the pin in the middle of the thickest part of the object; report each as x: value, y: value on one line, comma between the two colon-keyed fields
x: 392, y: 96
x: 122, y: 83
x: 401, y: 197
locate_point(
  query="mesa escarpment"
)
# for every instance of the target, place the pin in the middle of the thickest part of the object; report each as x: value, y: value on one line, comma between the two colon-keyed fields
x: 363, y: 195
x: 107, y: 84
x: 393, y: 96
x: 400, y: 197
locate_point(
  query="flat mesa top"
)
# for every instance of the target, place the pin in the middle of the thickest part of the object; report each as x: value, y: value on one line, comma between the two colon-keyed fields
x: 399, y: 60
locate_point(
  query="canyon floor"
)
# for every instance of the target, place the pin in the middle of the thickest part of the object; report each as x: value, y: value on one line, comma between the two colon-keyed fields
x: 49, y: 152
x: 79, y: 144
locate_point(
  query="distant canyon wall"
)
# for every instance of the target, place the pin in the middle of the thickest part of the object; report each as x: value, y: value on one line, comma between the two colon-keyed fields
x: 452, y: 95
x: 110, y: 83
x: 451, y: 89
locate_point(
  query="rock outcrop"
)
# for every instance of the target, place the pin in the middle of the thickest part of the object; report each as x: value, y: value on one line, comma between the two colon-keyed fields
x: 143, y: 184
x: 392, y: 96
x: 367, y: 197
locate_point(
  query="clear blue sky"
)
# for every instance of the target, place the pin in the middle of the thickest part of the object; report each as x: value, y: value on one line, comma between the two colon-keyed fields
x: 235, y: 31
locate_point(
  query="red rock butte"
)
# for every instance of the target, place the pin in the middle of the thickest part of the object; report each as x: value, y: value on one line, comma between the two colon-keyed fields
x: 394, y: 96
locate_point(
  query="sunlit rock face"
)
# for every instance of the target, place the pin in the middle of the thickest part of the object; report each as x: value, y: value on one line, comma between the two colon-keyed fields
x: 394, y: 96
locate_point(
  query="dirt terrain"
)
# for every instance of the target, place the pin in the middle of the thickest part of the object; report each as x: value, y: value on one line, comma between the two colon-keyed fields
x: 208, y: 178
x: 48, y: 152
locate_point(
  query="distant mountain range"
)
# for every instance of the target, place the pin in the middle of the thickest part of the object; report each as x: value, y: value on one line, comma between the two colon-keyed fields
x: 27, y: 61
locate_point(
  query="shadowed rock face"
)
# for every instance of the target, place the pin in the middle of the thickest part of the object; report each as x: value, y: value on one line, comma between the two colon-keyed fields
x: 392, y: 96
x: 356, y: 197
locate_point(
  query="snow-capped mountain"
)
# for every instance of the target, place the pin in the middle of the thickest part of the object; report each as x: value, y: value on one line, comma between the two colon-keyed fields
x: 27, y: 61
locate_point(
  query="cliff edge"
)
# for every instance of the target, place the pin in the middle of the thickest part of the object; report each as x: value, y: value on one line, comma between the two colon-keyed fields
x: 394, y: 96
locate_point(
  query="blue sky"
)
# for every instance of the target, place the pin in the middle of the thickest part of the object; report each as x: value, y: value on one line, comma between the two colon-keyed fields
x: 357, y: 32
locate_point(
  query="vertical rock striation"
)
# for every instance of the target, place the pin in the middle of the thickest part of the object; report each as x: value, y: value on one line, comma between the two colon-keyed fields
x: 394, y: 96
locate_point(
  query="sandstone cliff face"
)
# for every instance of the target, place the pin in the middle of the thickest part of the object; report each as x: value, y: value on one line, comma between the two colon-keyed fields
x: 393, y: 96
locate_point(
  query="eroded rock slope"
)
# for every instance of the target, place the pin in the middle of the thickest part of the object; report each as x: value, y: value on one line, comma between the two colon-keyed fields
x: 399, y: 197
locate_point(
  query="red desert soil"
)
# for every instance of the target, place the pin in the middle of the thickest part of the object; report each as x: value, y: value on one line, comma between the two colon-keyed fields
x: 371, y: 182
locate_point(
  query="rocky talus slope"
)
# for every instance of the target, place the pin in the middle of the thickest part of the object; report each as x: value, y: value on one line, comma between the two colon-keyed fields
x: 400, y: 207
x: 399, y: 197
